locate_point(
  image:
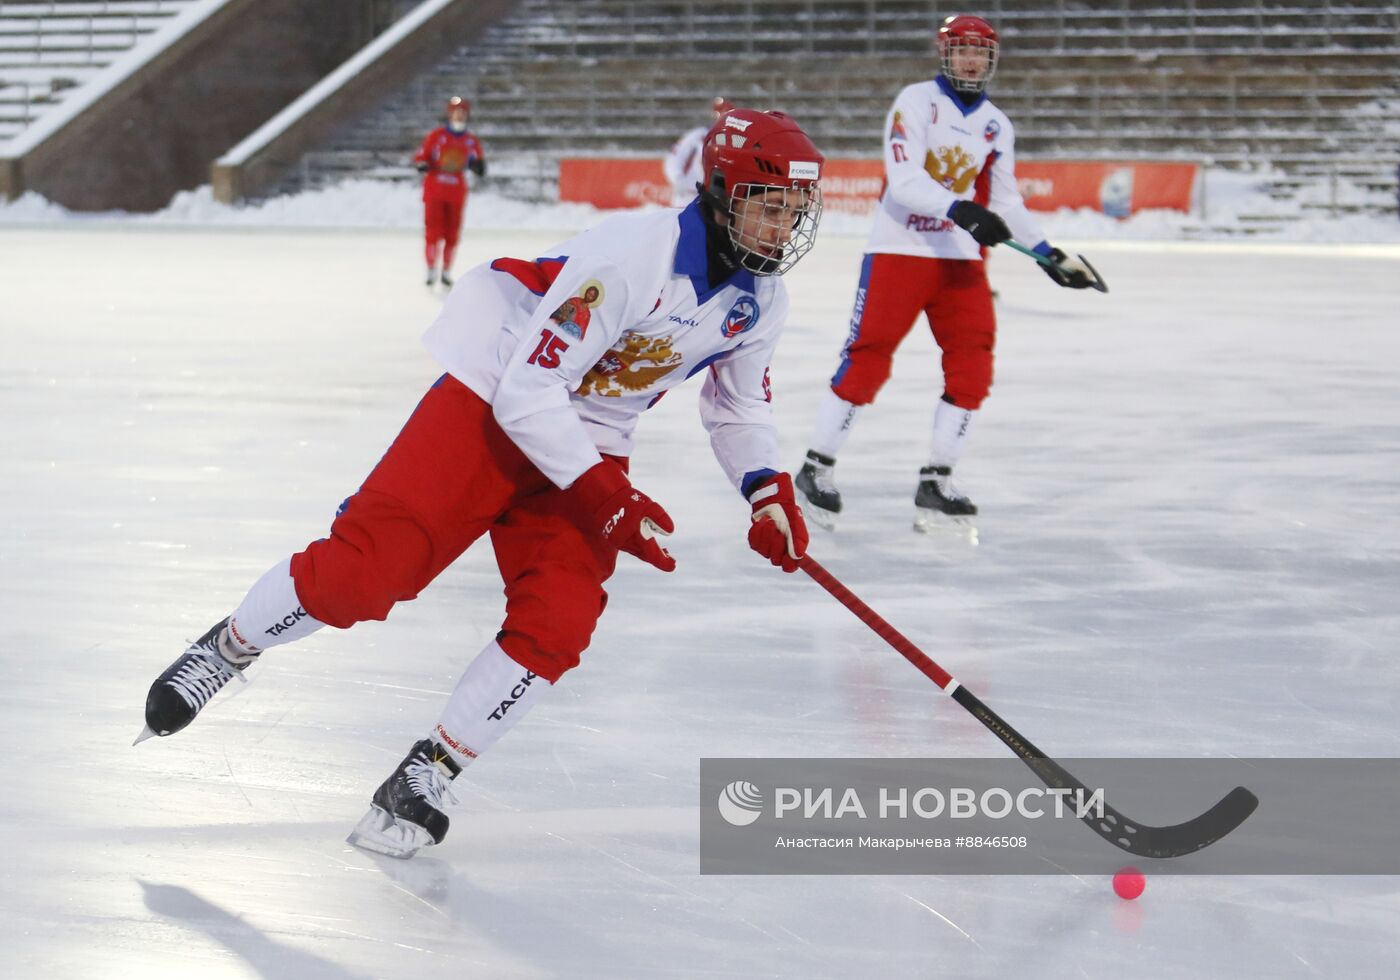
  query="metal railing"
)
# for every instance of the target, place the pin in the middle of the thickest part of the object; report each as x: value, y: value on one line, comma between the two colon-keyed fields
x: 97, y: 33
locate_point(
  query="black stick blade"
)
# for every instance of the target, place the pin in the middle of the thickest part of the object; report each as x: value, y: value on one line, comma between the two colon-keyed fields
x: 1178, y: 839
x: 1135, y: 838
x: 1098, y: 282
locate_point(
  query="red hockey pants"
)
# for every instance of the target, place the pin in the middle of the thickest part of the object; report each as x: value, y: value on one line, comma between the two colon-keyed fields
x: 450, y: 476
x: 957, y: 300
x: 442, y: 219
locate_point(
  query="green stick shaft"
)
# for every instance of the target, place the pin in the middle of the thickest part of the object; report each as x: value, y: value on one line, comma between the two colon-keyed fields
x: 1028, y: 251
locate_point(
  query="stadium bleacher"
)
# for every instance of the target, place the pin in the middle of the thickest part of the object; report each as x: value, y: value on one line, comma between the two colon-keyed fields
x: 1309, y: 88
x: 49, y: 48
x: 1298, y: 86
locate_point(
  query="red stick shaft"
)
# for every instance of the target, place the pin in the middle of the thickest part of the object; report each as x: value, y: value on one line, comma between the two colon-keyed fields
x: 877, y: 623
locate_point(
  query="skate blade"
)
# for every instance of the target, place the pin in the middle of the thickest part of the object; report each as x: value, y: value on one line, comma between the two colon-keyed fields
x: 146, y: 733
x: 824, y: 519
x: 380, y: 833
x: 936, y: 522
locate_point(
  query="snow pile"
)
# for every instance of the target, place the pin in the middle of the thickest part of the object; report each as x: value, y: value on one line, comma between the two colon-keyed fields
x: 1231, y: 200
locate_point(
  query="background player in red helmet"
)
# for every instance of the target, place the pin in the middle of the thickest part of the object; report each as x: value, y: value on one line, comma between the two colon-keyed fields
x: 950, y: 192
x: 527, y: 438
x: 682, y: 162
x: 447, y: 152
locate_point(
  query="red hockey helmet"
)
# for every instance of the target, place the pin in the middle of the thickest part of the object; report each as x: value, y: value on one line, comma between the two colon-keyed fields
x: 959, y: 36
x: 761, y: 176
x: 458, y: 103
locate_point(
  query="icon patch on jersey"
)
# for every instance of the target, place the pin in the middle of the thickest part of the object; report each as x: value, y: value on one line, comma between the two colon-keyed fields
x: 608, y: 365
x: 742, y: 317
x: 574, y: 313
x: 453, y: 159
x: 897, y: 127
x: 953, y: 167
x: 634, y: 365
x: 992, y: 131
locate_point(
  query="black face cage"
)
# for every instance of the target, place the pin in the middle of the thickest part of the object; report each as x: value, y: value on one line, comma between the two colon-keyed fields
x: 963, y: 84
x: 770, y: 234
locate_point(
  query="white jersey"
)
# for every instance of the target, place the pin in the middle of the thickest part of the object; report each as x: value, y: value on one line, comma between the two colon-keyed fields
x: 938, y: 151
x: 571, y: 348
x: 683, y: 165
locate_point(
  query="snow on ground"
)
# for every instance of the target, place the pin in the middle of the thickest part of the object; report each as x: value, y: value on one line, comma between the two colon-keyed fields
x: 387, y: 205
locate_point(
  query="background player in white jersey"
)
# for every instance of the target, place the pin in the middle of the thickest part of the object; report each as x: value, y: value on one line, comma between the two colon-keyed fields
x: 950, y: 191
x: 527, y: 437
x: 682, y: 162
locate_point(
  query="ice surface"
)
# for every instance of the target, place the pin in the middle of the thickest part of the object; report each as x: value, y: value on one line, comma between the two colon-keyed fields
x: 1189, y: 490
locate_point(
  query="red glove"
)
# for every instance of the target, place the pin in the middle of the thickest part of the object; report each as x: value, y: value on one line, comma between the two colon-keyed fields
x: 604, y: 501
x: 778, y: 532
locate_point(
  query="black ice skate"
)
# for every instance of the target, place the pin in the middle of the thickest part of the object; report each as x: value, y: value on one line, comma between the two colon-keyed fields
x: 939, y: 505
x: 816, y: 481
x: 187, y: 685
x: 432, y: 277
x: 446, y: 278
x: 406, y: 811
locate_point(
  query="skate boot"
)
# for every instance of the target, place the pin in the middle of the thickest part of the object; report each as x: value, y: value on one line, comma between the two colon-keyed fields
x: 196, y: 676
x: 816, y: 481
x: 938, y: 504
x: 406, y: 811
x: 432, y: 277
x: 446, y: 278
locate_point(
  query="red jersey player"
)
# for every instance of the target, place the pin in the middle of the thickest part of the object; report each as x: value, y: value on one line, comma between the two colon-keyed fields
x: 445, y: 154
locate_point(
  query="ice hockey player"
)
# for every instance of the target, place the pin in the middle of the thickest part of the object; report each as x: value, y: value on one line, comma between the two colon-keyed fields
x: 682, y: 161
x: 446, y: 153
x: 527, y: 437
x: 950, y: 191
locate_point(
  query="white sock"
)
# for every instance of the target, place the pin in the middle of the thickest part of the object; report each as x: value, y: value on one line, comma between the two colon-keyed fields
x: 493, y: 694
x: 271, y: 614
x: 835, y: 419
x: 951, y: 428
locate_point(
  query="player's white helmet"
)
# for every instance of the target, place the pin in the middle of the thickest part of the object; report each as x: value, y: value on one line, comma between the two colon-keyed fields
x: 762, y: 173
x: 459, y: 110
x: 967, y: 50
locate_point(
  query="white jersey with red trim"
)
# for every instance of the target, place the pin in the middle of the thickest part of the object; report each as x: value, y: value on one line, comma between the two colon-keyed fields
x: 937, y: 151
x: 682, y: 164
x: 571, y: 348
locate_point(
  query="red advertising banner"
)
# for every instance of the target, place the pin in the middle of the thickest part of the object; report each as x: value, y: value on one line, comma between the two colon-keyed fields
x: 613, y: 183
x: 1113, y: 187
x: 623, y: 182
x: 853, y: 186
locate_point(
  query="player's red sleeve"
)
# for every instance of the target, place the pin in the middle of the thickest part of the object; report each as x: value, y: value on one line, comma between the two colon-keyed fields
x: 425, y: 152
